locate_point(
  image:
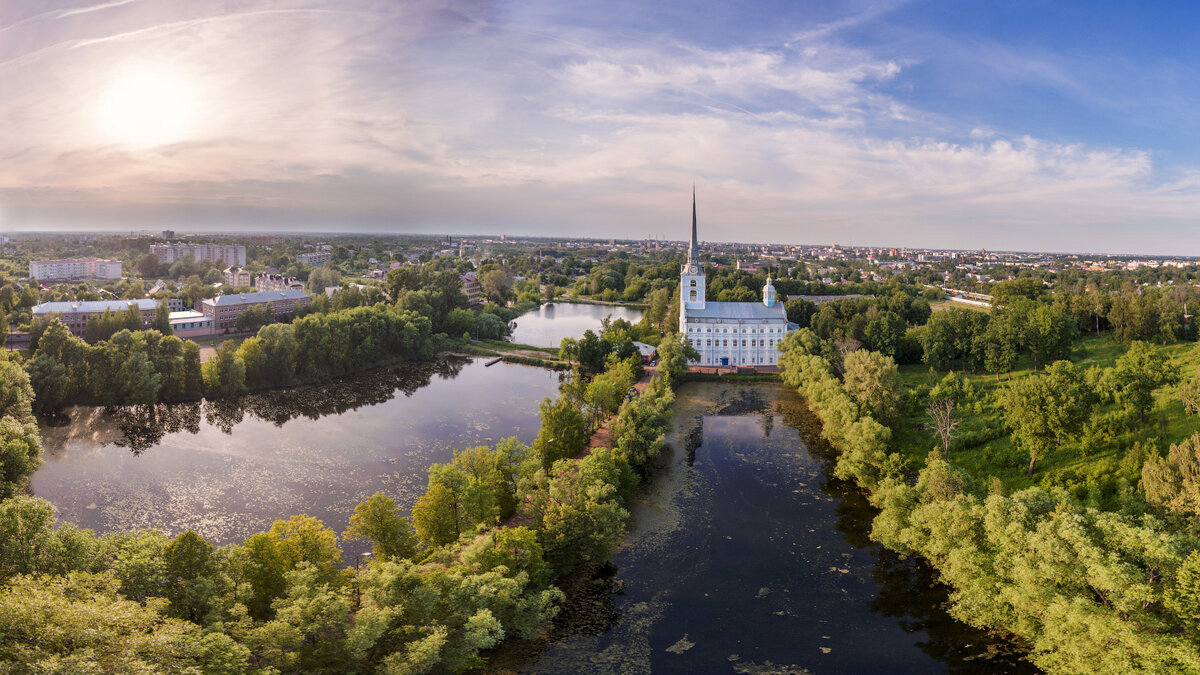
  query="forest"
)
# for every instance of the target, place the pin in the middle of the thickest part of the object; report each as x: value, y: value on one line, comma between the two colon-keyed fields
x: 1047, y: 472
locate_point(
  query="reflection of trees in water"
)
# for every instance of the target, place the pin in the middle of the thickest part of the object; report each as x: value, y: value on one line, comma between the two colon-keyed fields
x: 909, y: 587
x: 144, y: 426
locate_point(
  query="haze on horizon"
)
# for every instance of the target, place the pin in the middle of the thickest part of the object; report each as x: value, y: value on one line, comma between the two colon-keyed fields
x: 1071, y: 127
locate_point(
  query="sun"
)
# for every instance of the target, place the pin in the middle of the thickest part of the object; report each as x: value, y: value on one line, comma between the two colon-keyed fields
x: 146, y: 108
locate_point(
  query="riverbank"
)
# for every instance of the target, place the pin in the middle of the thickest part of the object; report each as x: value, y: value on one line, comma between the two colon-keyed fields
x: 1088, y: 589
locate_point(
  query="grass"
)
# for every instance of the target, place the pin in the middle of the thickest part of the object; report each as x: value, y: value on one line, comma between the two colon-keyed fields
x: 983, y: 448
x: 946, y: 304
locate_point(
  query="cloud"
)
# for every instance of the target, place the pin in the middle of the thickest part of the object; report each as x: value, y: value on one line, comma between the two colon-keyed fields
x: 462, y: 117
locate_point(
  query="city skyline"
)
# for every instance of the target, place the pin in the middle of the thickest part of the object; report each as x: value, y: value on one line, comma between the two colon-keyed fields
x: 920, y: 125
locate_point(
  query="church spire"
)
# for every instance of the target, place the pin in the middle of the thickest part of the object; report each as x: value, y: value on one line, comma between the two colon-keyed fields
x: 693, y: 247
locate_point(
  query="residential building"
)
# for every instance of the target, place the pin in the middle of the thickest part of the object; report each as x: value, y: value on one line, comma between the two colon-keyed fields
x: 472, y: 289
x: 75, y: 315
x: 277, y: 282
x: 73, y: 269
x: 225, y: 309
x: 315, y: 259
x: 227, y: 253
x: 175, y: 304
x: 728, y: 334
x: 191, y: 324
x: 237, y: 276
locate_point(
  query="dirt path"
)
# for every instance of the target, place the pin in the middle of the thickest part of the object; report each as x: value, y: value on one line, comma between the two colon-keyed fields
x: 602, y: 437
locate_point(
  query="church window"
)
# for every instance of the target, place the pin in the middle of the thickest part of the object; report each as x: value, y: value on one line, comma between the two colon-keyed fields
x: 692, y: 296
x: 693, y: 283
x: 726, y: 343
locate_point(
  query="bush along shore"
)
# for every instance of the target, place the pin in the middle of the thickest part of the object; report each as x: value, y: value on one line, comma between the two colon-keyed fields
x: 473, y: 566
x: 1087, y: 589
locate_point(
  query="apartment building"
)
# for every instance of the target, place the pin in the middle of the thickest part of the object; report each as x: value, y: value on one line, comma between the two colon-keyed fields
x: 73, y: 269
x: 314, y: 259
x: 227, y: 253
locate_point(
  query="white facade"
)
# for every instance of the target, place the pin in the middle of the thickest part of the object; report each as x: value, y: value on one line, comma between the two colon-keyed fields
x: 314, y: 259
x: 728, y: 334
x: 85, y: 268
x: 228, y: 253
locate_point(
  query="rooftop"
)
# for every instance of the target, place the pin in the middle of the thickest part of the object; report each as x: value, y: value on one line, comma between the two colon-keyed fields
x: 93, y: 306
x: 251, y: 298
x: 738, y: 310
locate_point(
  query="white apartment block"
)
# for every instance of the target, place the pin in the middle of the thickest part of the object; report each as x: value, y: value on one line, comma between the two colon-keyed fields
x: 227, y: 253
x: 314, y: 259
x: 69, y: 270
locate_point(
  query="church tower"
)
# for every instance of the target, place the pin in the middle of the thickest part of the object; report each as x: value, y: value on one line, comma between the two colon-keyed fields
x: 691, y: 274
x: 769, y: 293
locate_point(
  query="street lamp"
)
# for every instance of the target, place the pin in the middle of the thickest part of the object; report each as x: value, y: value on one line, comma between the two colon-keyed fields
x: 358, y: 584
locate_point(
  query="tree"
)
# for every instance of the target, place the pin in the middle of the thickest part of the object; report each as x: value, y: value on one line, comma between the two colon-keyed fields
x: 79, y: 623
x: 1049, y: 333
x: 941, y: 412
x: 873, y: 382
x: 20, y: 454
x: 189, y: 566
x: 800, y: 311
x: 225, y: 373
x: 435, y: 516
x: 162, y: 319
x: 378, y: 519
x: 563, y: 433
x: 1137, y: 373
x: 1000, y: 345
x: 674, y: 354
x: 1173, y: 482
x: 1048, y: 409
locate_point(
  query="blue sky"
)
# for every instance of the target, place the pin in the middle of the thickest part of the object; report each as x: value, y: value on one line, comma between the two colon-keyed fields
x: 1006, y: 125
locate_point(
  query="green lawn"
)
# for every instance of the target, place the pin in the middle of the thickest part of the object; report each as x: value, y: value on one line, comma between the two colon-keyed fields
x: 983, y: 448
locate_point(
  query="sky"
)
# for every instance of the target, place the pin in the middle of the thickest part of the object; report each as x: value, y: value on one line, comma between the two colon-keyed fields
x: 1007, y: 125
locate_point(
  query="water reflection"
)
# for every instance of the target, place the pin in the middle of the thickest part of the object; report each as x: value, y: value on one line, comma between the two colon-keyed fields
x: 143, y: 426
x: 745, y: 556
x: 547, y: 325
x: 231, y: 467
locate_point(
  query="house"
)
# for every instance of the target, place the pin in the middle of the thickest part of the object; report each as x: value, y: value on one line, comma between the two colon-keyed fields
x: 237, y: 276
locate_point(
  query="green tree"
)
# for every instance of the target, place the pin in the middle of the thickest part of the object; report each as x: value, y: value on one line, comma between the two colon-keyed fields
x: 1049, y: 409
x: 674, y: 354
x: 873, y: 381
x: 563, y: 433
x: 1137, y: 373
x: 225, y: 373
x: 378, y: 519
x: 162, y: 319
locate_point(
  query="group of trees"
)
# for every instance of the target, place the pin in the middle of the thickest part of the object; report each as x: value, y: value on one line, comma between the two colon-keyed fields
x: 439, y: 589
x: 147, y: 367
x: 1088, y: 590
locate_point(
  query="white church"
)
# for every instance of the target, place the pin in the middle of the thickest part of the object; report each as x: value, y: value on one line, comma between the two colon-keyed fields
x: 728, y: 334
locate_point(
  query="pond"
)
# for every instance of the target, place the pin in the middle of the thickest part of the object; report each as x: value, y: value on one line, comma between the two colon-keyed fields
x: 547, y: 325
x: 228, y: 469
x: 744, y: 556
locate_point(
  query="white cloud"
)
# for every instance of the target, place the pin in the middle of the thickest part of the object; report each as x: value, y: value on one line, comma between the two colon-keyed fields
x: 420, y: 117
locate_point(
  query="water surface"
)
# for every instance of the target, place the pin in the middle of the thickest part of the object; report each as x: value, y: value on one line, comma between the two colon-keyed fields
x: 228, y: 469
x: 547, y: 325
x: 745, y: 557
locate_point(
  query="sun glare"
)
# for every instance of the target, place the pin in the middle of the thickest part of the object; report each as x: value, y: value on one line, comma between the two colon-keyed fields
x: 146, y: 108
